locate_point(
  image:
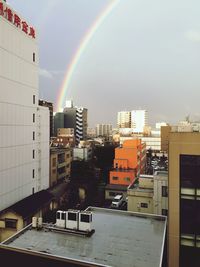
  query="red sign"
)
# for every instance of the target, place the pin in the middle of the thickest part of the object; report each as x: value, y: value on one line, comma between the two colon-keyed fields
x: 7, y: 13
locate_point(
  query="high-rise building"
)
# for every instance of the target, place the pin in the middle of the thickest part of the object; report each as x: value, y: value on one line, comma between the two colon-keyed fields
x: 124, y: 119
x: 184, y: 199
x: 138, y: 120
x: 103, y: 129
x: 24, y: 125
x: 72, y: 117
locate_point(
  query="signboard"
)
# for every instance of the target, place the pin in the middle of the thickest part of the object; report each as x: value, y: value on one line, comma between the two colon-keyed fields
x: 13, y: 18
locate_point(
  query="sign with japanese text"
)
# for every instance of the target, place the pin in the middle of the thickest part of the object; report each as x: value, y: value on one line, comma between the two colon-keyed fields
x: 12, y: 17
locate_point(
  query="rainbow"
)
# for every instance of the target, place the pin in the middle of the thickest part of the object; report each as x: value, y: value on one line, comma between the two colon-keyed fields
x: 76, y: 57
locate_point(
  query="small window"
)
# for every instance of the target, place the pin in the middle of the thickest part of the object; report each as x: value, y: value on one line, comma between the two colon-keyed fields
x: 33, y: 117
x: 58, y: 215
x: 33, y: 153
x: 164, y: 191
x: 11, y: 223
x: 144, y: 205
x: 33, y: 99
x: 33, y: 190
x: 115, y: 178
x: 33, y: 173
x: 33, y: 57
x: 127, y: 179
x: 54, y: 162
x: 33, y: 135
x: 164, y: 212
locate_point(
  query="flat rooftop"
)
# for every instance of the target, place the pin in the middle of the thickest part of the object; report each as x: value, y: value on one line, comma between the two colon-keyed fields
x: 121, y: 239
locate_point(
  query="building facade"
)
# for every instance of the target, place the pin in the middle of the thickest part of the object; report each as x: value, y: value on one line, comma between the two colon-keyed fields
x: 124, y: 119
x: 24, y: 126
x: 184, y: 199
x: 72, y: 117
x: 60, y: 165
x: 138, y: 120
x: 129, y: 162
x: 49, y: 105
x: 103, y: 130
x: 149, y: 194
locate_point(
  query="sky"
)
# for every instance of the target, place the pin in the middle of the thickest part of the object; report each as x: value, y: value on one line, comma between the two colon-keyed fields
x: 145, y: 55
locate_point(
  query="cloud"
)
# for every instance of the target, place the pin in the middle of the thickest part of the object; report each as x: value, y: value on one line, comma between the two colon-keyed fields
x: 45, y: 73
x: 49, y: 74
x: 193, y: 35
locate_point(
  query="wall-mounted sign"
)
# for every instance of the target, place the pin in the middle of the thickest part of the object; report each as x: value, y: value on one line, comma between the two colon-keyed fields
x: 12, y: 17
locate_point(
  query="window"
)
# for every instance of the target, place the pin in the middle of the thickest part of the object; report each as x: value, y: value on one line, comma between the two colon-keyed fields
x: 58, y: 215
x: 127, y: 179
x: 33, y: 135
x: 33, y: 173
x: 115, y: 178
x: 54, y: 162
x: 144, y: 205
x: 33, y: 57
x: 11, y: 223
x: 164, y: 212
x: 33, y: 99
x: 112, y: 194
x: 33, y: 117
x: 33, y: 153
x: 164, y: 191
x: 33, y: 190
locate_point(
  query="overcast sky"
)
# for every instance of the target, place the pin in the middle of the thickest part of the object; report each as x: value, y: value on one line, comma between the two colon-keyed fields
x: 145, y: 55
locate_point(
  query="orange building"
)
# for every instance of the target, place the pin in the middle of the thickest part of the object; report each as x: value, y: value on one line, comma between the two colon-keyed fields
x: 129, y: 162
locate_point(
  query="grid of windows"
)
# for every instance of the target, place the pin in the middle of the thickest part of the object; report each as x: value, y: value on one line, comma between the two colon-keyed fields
x: 189, y: 207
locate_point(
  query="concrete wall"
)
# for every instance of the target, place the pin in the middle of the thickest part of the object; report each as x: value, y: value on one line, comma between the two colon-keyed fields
x: 179, y: 143
x: 19, y: 84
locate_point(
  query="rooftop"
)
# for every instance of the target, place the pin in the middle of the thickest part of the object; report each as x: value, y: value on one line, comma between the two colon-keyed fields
x: 120, y: 239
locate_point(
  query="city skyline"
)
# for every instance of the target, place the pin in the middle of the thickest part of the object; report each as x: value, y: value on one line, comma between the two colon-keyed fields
x: 143, y: 55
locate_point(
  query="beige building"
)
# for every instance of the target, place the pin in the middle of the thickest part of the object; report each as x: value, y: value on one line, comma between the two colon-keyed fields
x: 149, y: 194
x: 184, y: 199
x: 60, y: 165
x: 124, y: 119
x: 19, y: 215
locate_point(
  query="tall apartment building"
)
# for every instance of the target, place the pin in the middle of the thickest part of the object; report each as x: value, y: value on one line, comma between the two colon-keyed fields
x: 138, y: 120
x: 103, y: 129
x: 124, y: 119
x: 72, y: 117
x: 24, y: 125
x: 184, y: 199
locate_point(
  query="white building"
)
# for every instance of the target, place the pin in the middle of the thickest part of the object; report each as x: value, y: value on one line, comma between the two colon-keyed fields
x: 138, y: 120
x: 124, y: 119
x: 103, y: 129
x: 24, y: 126
x: 82, y: 153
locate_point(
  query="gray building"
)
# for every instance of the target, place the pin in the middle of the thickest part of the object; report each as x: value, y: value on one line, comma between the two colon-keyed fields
x: 72, y: 117
x: 119, y: 239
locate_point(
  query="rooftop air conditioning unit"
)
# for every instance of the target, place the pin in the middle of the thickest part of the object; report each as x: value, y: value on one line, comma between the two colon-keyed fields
x: 85, y: 221
x: 72, y: 219
x: 61, y: 219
